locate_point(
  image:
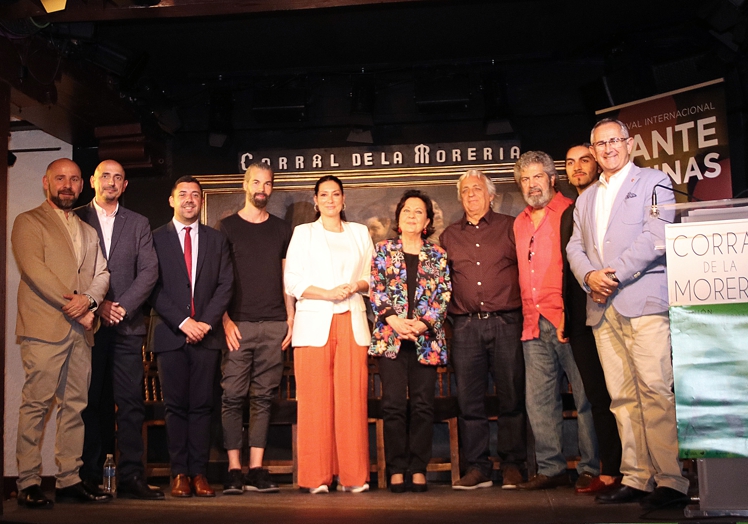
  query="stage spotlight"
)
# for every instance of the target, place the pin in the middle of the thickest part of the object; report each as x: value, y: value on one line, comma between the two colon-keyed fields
x: 52, y: 6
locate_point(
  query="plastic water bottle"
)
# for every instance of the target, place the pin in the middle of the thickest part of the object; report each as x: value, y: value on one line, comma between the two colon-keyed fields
x: 110, y: 475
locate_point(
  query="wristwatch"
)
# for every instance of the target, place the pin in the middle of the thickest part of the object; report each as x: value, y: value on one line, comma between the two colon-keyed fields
x: 92, y: 305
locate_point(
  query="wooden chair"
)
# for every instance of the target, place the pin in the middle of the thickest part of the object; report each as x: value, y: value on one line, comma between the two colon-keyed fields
x: 445, y: 410
x: 283, y: 411
x: 378, y: 465
x: 154, y: 407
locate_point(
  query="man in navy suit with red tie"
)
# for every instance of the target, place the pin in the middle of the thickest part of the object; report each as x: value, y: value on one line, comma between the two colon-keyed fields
x: 191, y: 295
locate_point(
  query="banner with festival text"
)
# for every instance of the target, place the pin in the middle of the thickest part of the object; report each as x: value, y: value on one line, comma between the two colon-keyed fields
x: 684, y: 134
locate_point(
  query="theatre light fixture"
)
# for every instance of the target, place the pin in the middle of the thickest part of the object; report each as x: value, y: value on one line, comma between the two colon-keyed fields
x: 52, y: 6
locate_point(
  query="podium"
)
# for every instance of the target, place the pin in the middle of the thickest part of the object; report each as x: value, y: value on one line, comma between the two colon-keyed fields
x: 707, y: 261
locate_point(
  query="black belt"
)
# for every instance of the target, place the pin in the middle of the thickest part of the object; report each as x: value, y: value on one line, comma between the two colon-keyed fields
x: 483, y: 315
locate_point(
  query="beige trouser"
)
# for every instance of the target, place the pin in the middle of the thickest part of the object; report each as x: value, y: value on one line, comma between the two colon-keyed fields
x: 54, y: 372
x: 636, y: 359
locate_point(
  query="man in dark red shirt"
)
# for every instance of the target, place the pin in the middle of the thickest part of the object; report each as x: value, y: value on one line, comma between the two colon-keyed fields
x: 487, y: 325
x: 548, y: 355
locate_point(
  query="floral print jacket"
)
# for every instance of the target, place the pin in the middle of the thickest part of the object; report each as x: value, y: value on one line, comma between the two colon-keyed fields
x: 389, y: 291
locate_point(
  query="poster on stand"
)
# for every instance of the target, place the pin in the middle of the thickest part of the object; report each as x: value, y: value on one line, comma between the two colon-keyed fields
x: 708, y: 295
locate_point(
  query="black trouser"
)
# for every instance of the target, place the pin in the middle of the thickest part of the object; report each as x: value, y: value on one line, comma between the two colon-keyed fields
x: 116, y: 377
x: 608, y: 441
x: 480, y: 345
x: 187, y: 379
x: 407, y: 383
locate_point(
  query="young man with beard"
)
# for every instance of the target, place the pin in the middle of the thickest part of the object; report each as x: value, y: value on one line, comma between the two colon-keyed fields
x: 582, y: 171
x: 192, y: 293
x: 257, y: 326
x: 547, y: 352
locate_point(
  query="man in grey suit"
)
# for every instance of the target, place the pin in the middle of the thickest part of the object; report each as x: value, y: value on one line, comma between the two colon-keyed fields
x: 617, y: 253
x: 63, y: 279
x: 117, y: 362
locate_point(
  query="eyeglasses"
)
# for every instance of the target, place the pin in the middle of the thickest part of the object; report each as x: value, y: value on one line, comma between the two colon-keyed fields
x: 613, y: 142
x: 530, y: 252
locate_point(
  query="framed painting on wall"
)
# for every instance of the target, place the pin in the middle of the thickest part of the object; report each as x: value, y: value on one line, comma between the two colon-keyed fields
x: 371, y: 196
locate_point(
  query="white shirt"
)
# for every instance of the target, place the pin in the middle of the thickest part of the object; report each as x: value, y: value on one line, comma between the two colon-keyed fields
x: 343, y: 260
x: 193, y: 235
x: 606, y: 196
x: 106, y: 222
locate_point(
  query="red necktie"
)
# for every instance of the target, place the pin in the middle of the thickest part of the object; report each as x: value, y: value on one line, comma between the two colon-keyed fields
x: 188, y: 261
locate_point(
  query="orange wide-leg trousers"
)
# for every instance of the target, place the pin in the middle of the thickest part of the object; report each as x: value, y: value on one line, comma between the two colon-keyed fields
x: 333, y: 436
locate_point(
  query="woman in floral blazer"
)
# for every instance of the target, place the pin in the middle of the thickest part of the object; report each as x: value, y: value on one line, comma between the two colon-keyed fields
x: 410, y: 290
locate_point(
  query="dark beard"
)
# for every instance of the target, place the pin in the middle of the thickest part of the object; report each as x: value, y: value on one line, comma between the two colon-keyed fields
x: 259, y: 204
x: 66, y: 205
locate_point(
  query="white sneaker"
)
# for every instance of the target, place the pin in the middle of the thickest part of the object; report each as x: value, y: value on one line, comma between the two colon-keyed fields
x: 319, y: 489
x: 354, y: 489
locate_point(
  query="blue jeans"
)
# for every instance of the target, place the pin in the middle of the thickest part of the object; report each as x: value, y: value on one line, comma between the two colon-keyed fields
x: 545, y: 360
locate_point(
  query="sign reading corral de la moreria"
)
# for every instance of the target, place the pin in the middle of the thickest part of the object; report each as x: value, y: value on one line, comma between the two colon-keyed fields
x: 385, y: 157
x: 707, y: 262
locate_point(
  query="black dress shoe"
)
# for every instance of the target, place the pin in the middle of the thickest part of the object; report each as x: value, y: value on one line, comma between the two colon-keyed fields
x: 665, y: 498
x: 621, y: 495
x: 400, y: 487
x: 81, y: 493
x: 419, y: 488
x: 137, y: 488
x: 34, y: 497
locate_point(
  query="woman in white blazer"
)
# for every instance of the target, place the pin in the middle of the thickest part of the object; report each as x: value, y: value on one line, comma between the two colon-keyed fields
x: 327, y: 269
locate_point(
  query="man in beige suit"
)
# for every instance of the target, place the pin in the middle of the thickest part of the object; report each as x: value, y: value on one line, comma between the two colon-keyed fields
x: 63, y: 279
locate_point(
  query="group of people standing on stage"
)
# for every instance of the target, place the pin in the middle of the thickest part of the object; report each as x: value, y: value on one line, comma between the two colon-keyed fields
x: 563, y: 289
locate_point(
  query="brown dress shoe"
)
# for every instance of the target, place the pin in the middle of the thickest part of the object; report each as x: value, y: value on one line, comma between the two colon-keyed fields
x: 180, y: 486
x: 540, y: 481
x: 201, y: 488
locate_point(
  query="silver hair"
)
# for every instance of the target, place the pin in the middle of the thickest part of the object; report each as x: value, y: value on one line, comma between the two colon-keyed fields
x: 535, y: 157
x: 476, y: 173
x: 624, y: 129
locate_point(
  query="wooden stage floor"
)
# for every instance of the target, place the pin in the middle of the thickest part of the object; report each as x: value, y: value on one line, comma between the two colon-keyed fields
x: 440, y: 505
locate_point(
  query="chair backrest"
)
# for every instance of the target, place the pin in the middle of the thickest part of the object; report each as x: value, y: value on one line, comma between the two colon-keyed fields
x: 151, y: 382
x: 287, y: 389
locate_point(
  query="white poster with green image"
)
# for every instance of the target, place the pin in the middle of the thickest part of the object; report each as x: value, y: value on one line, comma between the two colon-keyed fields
x: 708, y: 289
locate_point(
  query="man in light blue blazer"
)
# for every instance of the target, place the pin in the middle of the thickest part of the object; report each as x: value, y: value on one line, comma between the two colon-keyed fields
x: 617, y: 253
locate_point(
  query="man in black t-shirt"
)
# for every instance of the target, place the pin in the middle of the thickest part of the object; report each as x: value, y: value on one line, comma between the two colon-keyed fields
x: 258, y: 327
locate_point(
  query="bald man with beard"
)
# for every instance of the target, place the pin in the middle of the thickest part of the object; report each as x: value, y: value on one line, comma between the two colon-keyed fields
x: 117, y: 362
x: 63, y: 280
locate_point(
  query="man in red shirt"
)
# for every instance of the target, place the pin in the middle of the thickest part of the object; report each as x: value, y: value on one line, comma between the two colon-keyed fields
x: 537, y: 232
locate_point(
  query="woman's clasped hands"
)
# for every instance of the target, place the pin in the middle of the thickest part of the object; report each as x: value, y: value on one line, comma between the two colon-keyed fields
x: 406, y: 328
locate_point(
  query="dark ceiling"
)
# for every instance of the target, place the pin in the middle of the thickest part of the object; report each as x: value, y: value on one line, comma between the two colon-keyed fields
x: 303, y: 73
